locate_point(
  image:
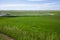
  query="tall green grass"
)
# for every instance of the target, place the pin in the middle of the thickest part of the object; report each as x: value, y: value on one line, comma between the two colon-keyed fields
x: 31, y: 28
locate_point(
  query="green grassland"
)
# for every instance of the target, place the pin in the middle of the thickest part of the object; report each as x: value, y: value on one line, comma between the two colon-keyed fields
x: 45, y: 27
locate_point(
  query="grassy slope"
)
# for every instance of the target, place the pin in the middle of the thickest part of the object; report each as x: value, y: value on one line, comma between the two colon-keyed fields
x: 31, y: 28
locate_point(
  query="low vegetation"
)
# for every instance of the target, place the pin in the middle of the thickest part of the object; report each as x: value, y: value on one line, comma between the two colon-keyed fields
x: 31, y: 27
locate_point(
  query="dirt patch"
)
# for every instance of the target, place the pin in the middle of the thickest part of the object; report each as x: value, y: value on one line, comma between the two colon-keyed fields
x: 6, y: 37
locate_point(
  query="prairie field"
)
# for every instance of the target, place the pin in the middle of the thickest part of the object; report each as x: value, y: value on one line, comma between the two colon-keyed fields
x: 31, y: 25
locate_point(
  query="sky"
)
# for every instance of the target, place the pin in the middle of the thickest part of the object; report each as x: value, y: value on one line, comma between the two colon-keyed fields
x: 29, y: 4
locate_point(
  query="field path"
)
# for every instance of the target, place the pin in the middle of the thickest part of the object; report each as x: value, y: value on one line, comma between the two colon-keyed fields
x: 6, y: 37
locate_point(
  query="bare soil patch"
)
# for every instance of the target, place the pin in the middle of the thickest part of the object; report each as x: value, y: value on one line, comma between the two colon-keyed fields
x: 6, y: 37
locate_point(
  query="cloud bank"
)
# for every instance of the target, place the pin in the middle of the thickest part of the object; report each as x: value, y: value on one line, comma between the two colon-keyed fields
x: 45, y: 6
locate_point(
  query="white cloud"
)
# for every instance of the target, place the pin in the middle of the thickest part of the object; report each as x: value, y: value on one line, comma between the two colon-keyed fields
x: 36, y: 0
x: 46, y: 6
x: 11, y: 5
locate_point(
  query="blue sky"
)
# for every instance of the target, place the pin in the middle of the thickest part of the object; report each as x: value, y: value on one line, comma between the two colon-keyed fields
x: 29, y: 4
